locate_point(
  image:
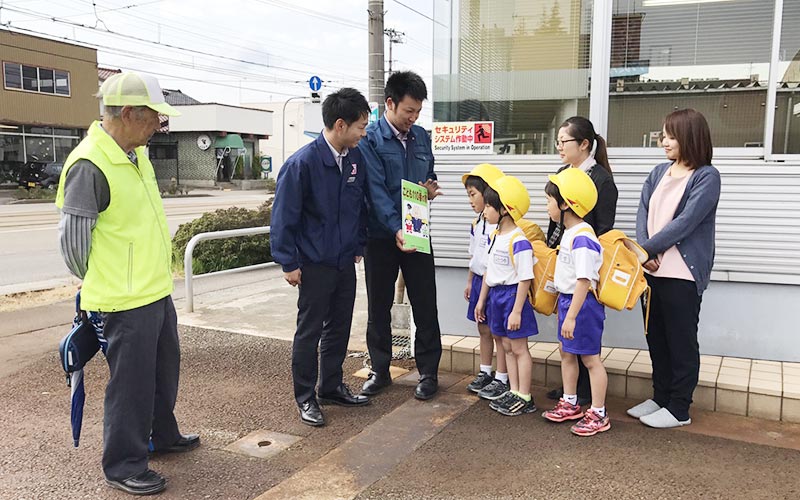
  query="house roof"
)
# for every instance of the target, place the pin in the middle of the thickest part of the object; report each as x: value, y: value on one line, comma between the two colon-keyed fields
x: 178, y: 98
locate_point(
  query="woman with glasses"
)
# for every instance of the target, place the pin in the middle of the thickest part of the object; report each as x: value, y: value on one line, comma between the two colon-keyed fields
x: 579, y: 146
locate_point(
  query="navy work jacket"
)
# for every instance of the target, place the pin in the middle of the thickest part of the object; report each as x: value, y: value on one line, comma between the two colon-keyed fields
x: 388, y: 163
x: 319, y: 214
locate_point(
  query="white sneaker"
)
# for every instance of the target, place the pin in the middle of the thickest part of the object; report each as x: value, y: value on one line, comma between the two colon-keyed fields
x: 663, y: 419
x: 645, y: 408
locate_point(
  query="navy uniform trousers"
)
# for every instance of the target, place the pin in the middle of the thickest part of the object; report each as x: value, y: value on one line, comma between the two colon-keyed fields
x: 144, y: 362
x: 324, y: 317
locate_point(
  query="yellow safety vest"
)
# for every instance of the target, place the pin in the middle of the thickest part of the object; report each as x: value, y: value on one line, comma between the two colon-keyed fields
x: 131, y: 253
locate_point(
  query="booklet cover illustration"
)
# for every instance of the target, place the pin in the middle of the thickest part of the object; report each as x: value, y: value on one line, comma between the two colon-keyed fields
x: 416, y: 228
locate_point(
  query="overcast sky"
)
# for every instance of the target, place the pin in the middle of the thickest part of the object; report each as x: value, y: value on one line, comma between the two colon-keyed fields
x: 287, y: 40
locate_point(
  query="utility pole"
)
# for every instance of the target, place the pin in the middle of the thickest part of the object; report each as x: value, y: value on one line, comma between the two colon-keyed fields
x: 376, y: 75
x: 394, y: 37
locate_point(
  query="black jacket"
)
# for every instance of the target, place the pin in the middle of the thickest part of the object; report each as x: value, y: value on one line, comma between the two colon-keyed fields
x: 602, y: 216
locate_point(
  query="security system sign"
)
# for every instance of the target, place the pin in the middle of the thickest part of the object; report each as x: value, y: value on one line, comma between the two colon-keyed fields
x: 454, y: 138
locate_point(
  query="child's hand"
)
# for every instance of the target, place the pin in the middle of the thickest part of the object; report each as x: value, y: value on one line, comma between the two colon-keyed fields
x: 568, y: 328
x: 466, y: 291
x: 514, y: 319
x: 479, y: 312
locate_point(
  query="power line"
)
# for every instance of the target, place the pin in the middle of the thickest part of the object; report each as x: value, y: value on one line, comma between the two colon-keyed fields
x: 418, y: 12
x: 206, y: 37
x: 149, y: 70
x: 166, y: 45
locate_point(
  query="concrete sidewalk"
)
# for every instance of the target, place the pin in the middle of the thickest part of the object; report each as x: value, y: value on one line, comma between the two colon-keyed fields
x: 263, y: 305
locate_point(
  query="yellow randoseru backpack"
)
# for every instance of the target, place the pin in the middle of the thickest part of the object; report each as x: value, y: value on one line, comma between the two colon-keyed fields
x: 622, y: 280
x: 542, y: 294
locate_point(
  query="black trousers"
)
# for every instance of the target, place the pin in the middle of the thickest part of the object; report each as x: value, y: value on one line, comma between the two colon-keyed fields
x: 382, y: 261
x: 324, y: 316
x: 144, y: 360
x: 672, y: 339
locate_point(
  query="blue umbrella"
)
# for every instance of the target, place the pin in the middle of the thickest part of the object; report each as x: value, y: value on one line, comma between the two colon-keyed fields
x: 76, y: 349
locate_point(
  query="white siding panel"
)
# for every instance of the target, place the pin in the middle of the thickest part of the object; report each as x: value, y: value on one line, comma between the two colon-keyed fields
x: 758, y: 219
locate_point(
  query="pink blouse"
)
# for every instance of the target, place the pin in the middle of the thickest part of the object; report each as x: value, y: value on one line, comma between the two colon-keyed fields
x: 663, y: 205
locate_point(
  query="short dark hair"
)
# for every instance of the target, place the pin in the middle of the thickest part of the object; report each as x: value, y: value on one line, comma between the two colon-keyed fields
x: 347, y: 104
x: 492, y: 198
x: 405, y: 83
x: 476, y: 182
x: 690, y: 128
x: 551, y: 190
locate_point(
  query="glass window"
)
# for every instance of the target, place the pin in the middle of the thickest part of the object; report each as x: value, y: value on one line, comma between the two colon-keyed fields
x: 11, y: 148
x: 39, y: 149
x: 523, y: 65
x: 62, y: 82
x: 672, y: 54
x: 163, y: 151
x: 64, y: 147
x: 30, y: 78
x: 34, y: 129
x: 46, y: 83
x: 13, y: 75
x: 73, y: 132
x: 786, y: 135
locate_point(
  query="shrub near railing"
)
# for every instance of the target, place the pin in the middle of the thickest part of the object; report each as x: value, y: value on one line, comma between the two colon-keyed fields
x: 219, y: 255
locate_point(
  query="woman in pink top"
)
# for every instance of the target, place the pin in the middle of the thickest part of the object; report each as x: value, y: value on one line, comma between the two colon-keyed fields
x: 675, y: 225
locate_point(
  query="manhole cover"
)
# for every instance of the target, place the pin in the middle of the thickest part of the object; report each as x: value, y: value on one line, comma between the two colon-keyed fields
x: 262, y: 444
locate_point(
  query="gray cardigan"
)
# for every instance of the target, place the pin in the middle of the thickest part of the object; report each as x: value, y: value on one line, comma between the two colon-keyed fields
x: 693, y: 226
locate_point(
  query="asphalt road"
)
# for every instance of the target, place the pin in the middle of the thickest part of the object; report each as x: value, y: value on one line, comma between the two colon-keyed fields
x: 29, y: 253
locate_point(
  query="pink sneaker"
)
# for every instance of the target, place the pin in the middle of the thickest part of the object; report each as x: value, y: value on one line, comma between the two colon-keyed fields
x: 563, y: 411
x: 591, y: 424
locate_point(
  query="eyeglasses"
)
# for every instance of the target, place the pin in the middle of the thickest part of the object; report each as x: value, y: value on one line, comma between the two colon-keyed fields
x: 559, y: 144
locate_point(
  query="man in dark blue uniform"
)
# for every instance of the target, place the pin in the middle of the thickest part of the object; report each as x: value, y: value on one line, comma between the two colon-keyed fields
x: 397, y: 149
x: 318, y: 235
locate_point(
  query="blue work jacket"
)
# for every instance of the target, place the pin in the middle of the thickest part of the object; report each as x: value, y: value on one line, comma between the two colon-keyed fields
x: 388, y: 163
x: 319, y: 214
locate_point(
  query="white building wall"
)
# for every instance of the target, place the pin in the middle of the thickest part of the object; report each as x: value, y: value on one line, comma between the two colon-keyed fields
x: 301, y: 117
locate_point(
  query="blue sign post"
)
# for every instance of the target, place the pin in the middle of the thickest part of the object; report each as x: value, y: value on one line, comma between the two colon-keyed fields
x: 315, y: 83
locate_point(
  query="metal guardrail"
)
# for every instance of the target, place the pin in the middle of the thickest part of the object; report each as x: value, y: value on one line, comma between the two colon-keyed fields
x: 215, y: 235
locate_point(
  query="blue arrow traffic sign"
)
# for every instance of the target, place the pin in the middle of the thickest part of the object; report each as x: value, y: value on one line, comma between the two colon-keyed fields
x: 315, y: 83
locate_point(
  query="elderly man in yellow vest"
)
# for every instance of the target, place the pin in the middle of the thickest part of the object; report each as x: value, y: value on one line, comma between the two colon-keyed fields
x: 114, y: 236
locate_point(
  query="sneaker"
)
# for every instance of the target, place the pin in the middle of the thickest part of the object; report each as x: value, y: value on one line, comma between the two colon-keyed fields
x: 564, y: 411
x: 502, y: 399
x: 591, y: 424
x: 494, y: 390
x: 515, y: 405
x: 480, y: 381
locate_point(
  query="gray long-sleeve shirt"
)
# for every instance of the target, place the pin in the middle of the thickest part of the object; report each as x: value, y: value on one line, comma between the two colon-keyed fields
x: 86, y: 194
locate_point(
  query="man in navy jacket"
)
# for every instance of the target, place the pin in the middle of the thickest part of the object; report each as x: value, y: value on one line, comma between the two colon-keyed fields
x: 318, y: 235
x: 397, y: 149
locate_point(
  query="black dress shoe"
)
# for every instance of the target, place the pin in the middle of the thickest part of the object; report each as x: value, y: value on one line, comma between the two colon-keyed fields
x: 342, y: 397
x: 144, y: 483
x: 426, y: 388
x: 186, y: 442
x: 310, y: 414
x: 375, y: 384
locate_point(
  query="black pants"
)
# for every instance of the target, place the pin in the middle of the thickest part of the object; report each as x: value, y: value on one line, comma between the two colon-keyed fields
x: 144, y: 360
x: 324, y: 316
x: 672, y: 339
x: 382, y: 261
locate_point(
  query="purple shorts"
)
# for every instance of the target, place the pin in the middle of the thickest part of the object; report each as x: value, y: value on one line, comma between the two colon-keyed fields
x: 474, y: 295
x: 588, y: 335
x: 501, y: 303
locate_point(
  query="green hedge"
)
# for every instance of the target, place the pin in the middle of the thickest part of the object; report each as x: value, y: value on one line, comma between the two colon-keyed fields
x: 228, y: 253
